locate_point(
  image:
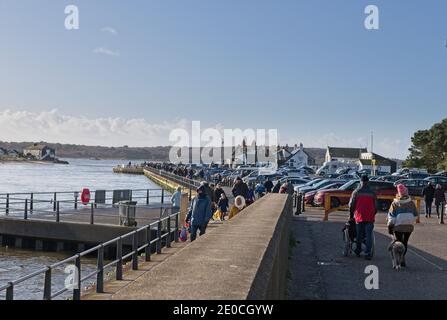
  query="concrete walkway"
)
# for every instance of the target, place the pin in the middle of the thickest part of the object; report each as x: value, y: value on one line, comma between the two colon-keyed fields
x: 319, y: 271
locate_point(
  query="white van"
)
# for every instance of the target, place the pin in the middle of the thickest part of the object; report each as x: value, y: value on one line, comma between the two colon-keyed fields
x: 331, y: 167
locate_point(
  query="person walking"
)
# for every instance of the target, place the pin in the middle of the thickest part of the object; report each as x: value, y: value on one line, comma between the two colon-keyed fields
x: 439, y: 200
x: 428, y: 193
x: 223, y: 206
x: 401, y: 218
x: 200, y: 213
x: 260, y: 190
x: 218, y: 191
x: 176, y: 199
x: 363, y: 209
x: 268, y: 184
x: 240, y: 188
x: 277, y: 186
x: 250, y: 195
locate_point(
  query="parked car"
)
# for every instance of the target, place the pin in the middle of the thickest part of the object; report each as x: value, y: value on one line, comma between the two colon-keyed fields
x: 416, y: 175
x: 307, y: 169
x: 331, y: 176
x: 390, y: 178
x: 319, y: 185
x: 309, y: 196
x: 294, y: 181
x: 309, y: 184
x: 348, y: 177
x: 344, y: 193
x: 414, y: 186
x: 442, y: 173
x: 295, y: 173
x: 332, y: 167
x: 438, y: 180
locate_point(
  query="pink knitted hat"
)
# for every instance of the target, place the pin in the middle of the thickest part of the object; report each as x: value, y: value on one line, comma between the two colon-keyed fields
x: 402, y: 190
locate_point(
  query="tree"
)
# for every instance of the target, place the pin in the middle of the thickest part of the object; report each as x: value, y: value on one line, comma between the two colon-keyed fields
x: 429, y: 148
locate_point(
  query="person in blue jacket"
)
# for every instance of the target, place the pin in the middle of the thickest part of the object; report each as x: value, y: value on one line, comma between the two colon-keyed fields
x: 200, y: 213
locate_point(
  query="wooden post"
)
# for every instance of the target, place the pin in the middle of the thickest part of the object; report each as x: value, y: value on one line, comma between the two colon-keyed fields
x: 327, y: 206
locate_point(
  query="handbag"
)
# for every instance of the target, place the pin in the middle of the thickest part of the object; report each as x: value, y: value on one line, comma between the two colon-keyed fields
x: 183, y: 234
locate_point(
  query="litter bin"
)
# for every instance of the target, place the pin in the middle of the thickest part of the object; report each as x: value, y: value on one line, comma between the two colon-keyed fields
x: 127, y: 210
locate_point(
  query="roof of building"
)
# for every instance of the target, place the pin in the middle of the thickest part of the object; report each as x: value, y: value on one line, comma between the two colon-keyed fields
x: 346, y: 152
x: 379, y: 160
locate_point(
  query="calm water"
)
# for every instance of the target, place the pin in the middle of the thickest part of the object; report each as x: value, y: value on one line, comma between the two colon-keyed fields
x: 23, y: 177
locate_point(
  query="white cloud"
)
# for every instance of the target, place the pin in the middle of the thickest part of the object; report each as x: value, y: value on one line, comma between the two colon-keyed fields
x: 51, y: 126
x: 106, y: 51
x: 110, y: 30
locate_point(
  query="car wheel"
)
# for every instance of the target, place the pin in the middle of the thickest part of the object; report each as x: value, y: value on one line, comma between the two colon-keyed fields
x: 335, y: 202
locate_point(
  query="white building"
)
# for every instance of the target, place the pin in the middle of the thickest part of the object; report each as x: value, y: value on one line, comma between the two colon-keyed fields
x: 299, y: 157
x: 344, y: 154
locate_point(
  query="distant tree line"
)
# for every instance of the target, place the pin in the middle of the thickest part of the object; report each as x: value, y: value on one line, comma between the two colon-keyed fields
x: 429, y: 148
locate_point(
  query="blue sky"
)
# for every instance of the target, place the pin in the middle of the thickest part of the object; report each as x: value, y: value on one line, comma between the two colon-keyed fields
x: 306, y: 67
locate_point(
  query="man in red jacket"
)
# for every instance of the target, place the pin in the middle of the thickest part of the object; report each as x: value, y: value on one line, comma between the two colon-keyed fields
x: 363, y: 208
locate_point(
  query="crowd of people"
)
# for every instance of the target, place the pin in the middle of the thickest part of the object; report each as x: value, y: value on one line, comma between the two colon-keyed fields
x: 212, y: 203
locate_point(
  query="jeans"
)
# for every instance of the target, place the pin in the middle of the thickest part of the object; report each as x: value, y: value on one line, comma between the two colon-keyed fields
x: 440, y: 208
x: 428, y: 204
x: 195, y: 228
x: 364, y: 229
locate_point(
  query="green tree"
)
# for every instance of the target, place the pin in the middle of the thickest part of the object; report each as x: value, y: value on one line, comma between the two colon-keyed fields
x: 429, y: 148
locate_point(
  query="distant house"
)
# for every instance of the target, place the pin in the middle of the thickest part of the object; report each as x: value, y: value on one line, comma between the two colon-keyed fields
x: 299, y: 157
x: 381, y: 164
x: 282, y: 155
x: 40, y: 152
x: 3, y: 152
x: 344, y: 154
x: 14, y: 153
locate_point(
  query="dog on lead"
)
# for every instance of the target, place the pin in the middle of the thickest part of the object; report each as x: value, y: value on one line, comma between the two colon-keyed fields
x: 397, y: 250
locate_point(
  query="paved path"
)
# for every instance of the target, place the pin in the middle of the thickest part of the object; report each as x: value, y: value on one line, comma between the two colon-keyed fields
x: 319, y: 271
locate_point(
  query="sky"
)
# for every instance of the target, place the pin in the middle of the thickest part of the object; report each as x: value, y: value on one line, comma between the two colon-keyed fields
x: 136, y: 70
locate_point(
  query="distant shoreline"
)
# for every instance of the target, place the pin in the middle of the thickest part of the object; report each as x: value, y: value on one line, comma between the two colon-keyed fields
x: 32, y: 161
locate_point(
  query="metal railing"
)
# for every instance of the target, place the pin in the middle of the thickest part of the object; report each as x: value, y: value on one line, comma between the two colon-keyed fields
x: 101, y: 266
x: 57, y: 203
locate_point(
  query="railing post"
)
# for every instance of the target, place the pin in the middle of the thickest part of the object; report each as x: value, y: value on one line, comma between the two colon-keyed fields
x: 168, y: 239
x: 76, y: 201
x: 190, y: 192
x: 162, y: 196
x: 7, y: 203
x: 100, y: 274
x: 442, y: 213
x: 31, y: 204
x: 303, y: 203
x: 25, y: 213
x: 159, y: 237
x: 54, y: 201
x: 119, y: 257
x: 58, y: 215
x: 298, y: 204
x: 77, y: 285
x: 10, y: 291
x: 147, y: 197
x: 147, y: 250
x: 47, y: 285
x: 135, y: 251
x: 176, y: 227
x: 92, y: 214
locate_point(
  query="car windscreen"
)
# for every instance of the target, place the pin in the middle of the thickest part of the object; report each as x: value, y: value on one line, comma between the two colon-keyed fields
x: 350, y: 185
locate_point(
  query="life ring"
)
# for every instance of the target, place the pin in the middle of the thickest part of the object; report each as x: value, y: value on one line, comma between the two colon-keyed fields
x: 85, y: 196
x: 242, y: 202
